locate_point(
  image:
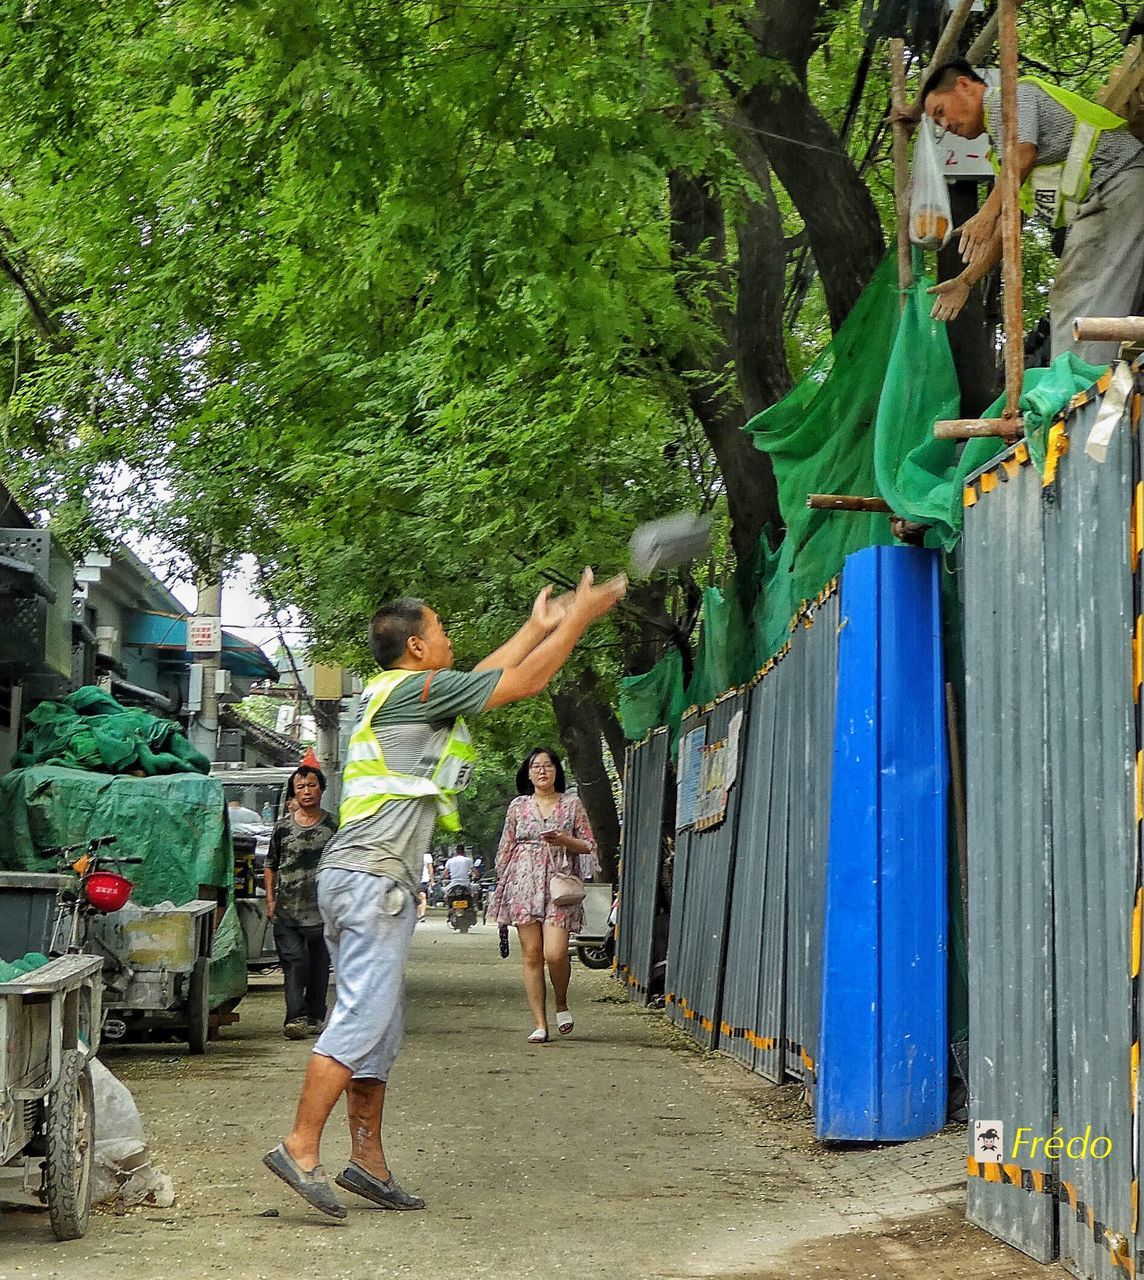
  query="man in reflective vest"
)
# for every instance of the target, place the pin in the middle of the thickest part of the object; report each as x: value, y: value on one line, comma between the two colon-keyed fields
x: 1080, y: 169
x: 409, y: 756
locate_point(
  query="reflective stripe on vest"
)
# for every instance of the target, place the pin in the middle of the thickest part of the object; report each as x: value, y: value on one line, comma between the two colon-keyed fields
x: 1056, y: 191
x: 368, y: 782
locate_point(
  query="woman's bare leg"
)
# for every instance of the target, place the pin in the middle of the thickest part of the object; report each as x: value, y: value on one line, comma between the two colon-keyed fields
x: 559, y: 964
x: 532, y: 950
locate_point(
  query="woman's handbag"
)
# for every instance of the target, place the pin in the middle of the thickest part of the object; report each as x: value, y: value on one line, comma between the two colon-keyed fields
x: 566, y: 889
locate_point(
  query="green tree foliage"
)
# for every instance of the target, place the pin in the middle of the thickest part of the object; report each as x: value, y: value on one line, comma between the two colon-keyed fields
x: 432, y: 296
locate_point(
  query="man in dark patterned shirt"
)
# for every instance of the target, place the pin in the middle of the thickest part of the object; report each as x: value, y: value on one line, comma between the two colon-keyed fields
x: 291, y: 877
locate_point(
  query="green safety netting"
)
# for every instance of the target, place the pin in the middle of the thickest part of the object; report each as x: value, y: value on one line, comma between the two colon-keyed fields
x: 89, y: 730
x: 653, y: 699
x: 860, y: 422
x: 923, y: 478
x: 176, y: 824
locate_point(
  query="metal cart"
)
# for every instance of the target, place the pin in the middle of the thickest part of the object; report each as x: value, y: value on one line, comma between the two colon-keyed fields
x: 49, y: 1029
x: 156, y: 969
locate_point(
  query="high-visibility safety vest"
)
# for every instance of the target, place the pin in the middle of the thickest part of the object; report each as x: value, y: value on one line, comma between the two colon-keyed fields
x: 368, y: 782
x: 1056, y: 191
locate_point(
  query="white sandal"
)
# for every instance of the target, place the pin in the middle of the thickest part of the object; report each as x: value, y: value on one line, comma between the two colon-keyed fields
x: 539, y: 1036
x: 564, y: 1023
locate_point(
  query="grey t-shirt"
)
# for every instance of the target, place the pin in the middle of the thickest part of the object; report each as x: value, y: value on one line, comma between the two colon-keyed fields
x: 413, y: 727
x: 1042, y: 121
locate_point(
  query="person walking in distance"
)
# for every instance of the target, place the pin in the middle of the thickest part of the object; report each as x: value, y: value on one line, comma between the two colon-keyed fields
x: 545, y: 831
x: 409, y: 756
x: 426, y: 885
x: 291, y: 880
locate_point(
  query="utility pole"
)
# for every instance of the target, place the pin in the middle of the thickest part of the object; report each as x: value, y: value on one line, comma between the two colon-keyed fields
x: 204, y: 639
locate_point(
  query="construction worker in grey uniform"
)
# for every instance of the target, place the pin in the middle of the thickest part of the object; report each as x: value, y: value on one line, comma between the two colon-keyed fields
x: 1080, y: 170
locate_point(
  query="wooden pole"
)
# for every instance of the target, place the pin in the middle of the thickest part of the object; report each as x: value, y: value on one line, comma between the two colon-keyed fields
x: 901, y: 153
x: 974, y: 428
x: 846, y: 502
x: 1011, y: 215
x: 1109, y: 328
x: 949, y: 37
x: 985, y: 41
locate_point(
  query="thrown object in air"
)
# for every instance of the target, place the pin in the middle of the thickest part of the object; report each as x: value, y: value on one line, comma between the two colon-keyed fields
x: 672, y: 541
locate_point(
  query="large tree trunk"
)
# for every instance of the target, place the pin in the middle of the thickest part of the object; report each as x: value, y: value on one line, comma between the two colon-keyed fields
x: 699, y: 247
x: 579, y: 717
x: 808, y: 157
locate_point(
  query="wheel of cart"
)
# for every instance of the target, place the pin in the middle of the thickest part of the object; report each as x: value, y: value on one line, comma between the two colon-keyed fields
x: 49, y: 1029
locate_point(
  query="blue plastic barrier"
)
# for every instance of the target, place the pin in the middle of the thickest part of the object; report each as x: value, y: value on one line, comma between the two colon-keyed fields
x: 883, y: 1051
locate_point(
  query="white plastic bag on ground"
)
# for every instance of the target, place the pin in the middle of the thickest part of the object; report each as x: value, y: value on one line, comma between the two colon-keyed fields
x: 122, y: 1168
x: 931, y: 219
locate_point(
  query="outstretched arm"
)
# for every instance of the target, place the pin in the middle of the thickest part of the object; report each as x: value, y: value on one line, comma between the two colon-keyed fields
x: 532, y: 673
x: 544, y: 619
x: 951, y: 295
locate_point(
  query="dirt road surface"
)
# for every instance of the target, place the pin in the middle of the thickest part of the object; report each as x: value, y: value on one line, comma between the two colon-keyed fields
x: 621, y: 1153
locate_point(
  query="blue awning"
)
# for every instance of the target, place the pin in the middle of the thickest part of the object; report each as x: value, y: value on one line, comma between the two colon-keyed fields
x: 168, y: 632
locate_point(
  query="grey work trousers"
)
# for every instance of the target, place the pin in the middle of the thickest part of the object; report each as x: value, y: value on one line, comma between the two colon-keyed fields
x: 1101, y: 272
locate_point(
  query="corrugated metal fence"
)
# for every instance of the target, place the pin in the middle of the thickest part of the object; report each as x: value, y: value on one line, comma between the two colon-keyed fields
x: 641, y: 858
x: 1053, y: 660
x: 744, y: 948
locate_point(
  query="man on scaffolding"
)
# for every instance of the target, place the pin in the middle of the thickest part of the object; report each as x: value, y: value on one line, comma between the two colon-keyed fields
x: 1080, y: 170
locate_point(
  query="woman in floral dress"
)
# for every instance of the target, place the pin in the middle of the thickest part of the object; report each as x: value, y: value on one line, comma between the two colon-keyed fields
x: 544, y: 831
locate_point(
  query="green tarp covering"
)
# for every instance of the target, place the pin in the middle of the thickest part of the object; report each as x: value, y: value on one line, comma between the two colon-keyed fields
x: 90, y: 730
x: 860, y: 422
x: 177, y: 824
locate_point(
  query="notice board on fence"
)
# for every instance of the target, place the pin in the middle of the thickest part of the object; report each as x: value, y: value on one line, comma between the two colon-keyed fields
x: 691, y: 747
x: 707, y: 773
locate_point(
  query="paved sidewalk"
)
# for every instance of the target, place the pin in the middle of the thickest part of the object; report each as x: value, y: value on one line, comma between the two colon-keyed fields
x: 620, y: 1153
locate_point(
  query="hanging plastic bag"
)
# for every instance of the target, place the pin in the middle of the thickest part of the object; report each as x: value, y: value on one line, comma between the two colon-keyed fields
x: 931, y: 219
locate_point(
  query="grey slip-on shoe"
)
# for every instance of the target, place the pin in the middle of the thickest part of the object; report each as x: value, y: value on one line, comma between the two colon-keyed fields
x: 387, y: 1194
x: 313, y: 1186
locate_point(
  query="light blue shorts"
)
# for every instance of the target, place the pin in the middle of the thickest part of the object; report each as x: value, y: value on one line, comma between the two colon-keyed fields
x: 368, y: 924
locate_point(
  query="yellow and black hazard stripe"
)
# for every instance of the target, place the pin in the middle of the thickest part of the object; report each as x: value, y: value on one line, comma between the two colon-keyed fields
x: 766, y: 1044
x: 690, y: 1014
x: 1002, y: 471
x: 1044, y: 1182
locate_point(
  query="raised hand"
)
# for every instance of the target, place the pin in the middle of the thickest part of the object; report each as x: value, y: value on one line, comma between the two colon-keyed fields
x: 548, y: 613
x: 595, y: 601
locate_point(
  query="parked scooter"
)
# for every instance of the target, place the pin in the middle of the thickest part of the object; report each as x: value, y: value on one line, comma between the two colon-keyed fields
x: 460, y: 899
x: 599, y: 953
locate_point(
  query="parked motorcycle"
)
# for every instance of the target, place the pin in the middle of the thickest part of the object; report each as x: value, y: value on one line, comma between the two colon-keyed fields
x: 600, y: 952
x: 461, y: 901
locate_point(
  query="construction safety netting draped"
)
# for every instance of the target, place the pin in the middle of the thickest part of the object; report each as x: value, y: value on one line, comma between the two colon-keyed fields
x: 859, y: 422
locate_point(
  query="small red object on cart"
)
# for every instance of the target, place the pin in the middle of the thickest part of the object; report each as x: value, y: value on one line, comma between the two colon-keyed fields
x: 107, y: 891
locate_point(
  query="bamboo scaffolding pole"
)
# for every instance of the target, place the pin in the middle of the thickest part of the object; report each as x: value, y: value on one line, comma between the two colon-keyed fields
x: 947, y: 41
x: 985, y: 41
x: 1109, y: 328
x: 1011, y: 216
x: 846, y: 502
x: 901, y: 152
x: 975, y: 428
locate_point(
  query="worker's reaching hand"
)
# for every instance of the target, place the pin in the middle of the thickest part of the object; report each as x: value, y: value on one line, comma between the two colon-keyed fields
x: 977, y: 235
x: 950, y: 297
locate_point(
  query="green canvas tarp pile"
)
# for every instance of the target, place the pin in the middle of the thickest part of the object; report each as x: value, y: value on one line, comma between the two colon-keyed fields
x: 176, y: 823
x: 90, y: 730
x: 859, y: 422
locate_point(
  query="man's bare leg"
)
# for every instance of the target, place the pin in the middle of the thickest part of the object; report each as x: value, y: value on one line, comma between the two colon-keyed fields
x: 365, y: 1102
x: 326, y: 1081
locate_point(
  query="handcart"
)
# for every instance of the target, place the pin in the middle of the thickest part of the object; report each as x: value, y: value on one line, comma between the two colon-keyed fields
x: 49, y: 1029
x: 156, y: 970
